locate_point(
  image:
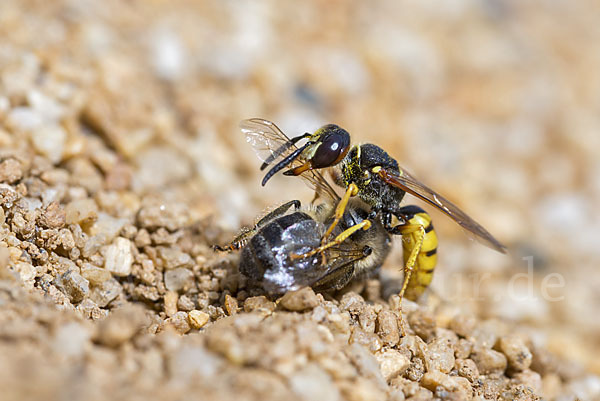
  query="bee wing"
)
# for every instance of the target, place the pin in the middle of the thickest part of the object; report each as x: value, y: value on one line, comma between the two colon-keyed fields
x: 410, y: 184
x: 270, y: 144
x: 340, y: 268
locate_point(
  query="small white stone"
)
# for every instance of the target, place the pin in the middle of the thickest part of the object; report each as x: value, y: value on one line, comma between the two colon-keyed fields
x: 81, y: 210
x: 71, y: 339
x: 168, y: 55
x: 49, y: 140
x: 392, y: 363
x: 48, y: 107
x: 313, y: 383
x: 118, y: 257
x: 27, y: 273
x: 107, y: 226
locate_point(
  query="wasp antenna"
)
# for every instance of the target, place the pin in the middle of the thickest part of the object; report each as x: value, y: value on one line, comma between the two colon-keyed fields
x: 284, y: 163
x: 280, y: 150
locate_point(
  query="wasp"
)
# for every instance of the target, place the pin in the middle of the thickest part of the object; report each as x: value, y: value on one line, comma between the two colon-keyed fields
x: 369, y: 172
x: 269, y: 247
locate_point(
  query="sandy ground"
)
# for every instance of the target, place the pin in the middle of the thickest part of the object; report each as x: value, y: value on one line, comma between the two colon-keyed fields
x: 121, y: 163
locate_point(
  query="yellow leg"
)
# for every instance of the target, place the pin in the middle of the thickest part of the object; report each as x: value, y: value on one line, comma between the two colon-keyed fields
x: 418, y: 231
x: 363, y: 225
x: 352, y: 190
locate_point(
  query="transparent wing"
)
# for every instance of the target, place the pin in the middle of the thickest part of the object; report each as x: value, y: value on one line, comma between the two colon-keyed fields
x: 411, y: 185
x: 264, y: 137
x: 271, y: 144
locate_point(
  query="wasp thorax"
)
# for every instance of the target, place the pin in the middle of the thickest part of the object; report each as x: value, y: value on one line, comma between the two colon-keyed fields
x: 334, y: 143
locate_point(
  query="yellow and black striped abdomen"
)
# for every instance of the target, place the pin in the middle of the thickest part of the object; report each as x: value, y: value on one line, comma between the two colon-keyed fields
x: 427, y: 257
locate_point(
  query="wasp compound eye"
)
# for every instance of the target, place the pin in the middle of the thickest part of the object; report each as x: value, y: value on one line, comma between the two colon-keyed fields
x: 334, y: 146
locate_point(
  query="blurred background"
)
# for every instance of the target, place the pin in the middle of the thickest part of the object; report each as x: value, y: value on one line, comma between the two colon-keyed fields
x: 493, y: 103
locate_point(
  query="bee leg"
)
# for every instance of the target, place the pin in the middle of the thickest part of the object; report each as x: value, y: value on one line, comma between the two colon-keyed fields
x: 417, y: 232
x: 240, y: 240
x: 279, y: 211
x: 363, y: 225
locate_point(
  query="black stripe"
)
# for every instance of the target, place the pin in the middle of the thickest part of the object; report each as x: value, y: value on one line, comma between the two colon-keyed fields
x: 429, y: 271
x: 429, y: 228
x: 409, y: 211
x: 431, y: 253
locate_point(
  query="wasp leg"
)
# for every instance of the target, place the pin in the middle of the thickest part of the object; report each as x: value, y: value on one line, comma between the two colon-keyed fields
x: 241, y: 239
x: 427, y: 257
x: 416, y: 234
x: 363, y: 225
x: 352, y: 190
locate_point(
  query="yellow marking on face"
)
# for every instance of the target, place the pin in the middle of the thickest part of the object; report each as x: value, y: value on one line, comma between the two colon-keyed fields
x: 376, y: 169
x: 367, y: 182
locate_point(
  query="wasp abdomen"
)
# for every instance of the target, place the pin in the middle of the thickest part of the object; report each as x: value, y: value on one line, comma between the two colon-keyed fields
x: 427, y: 257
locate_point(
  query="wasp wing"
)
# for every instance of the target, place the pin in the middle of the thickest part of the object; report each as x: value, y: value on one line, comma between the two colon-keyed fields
x: 410, y: 184
x: 270, y: 144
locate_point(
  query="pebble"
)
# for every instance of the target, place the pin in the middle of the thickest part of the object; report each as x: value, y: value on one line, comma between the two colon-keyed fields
x: 173, y: 258
x: 49, y: 140
x: 467, y: 368
x: 463, y: 325
x: 423, y: 323
x: 353, y: 303
x: 107, y: 227
x: 362, y: 389
x: 416, y: 370
x: 179, y: 280
x: 367, y: 319
x: 11, y: 171
x: 142, y: 238
x: 81, y: 211
x: 369, y: 340
x: 518, y: 355
x: 530, y: 379
x: 259, y: 304
x: 313, y: 383
x: 488, y: 361
x: 440, y: 355
x: 184, y: 303
x: 366, y: 364
x: 231, y: 305
x: 71, y: 339
x: 192, y: 361
x: 94, y: 274
x: 27, y: 273
x: 463, y: 348
x: 180, y: 322
x: 387, y: 327
x: 121, y: 325
x: 198, y: 318
x: 75, y: 286
x: 392, y: 363
x: 118, y: 257
x: 169, y: 215
x: 170, y: 303
x: 300, y: 300
x: 53, y: 216
x: 432, y: 380
x: 106, y: 292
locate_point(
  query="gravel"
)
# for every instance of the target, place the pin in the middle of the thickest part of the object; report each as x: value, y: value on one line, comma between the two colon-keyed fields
x: 121, y: 163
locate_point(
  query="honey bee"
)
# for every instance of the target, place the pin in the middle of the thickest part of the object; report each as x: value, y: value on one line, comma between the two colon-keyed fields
x: 366, y: 171
x: 268, y: 248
